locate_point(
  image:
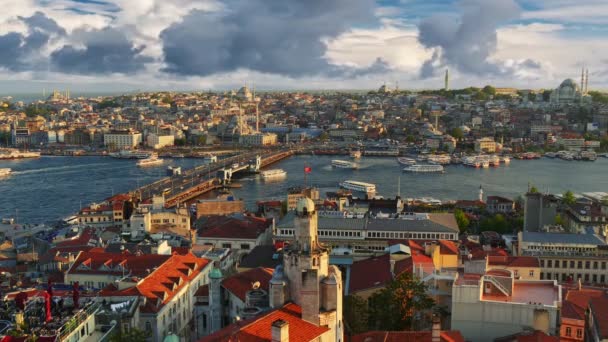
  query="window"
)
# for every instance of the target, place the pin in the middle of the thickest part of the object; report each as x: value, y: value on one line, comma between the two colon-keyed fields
x: 568, y: 331
x: 564, y: 264
x: 226, y: 245
x: 580, y: 265
x: 602, y: 278
x: 595, y: 265
x: 571, y: 263
x: 594, y: 278
x: 579, y: 333
x: 531, y: 274
x: 587, y: 264
x: 556, y: 264
x: 549, y: 263
x: 244, y: 246
x: 603, y: 265
x: 542, y: 263
x: 586, y: 277
x: 542, y: 276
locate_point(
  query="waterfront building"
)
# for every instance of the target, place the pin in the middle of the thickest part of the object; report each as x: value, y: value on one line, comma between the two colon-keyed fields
x: 487, y: 145
x: 239, y: 232
x: 126, y: 139
x: 159, y: 141
x: 305, y: 293
x: 571, y: 144
x: 361, y: 236
x: 567, y: 257
x: 258, y: 139
x: 498, y: 304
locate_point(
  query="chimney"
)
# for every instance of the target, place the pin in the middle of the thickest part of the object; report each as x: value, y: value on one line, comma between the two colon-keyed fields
x: 392, y: 262
x: 280, y: 331
x: 436, y: 330
x: 580, y: 284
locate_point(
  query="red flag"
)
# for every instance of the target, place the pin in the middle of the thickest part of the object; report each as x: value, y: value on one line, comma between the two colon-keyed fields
x: 307, y: 169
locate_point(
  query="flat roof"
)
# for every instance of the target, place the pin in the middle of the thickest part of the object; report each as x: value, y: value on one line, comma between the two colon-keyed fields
x: 543, y: 292
x: 563, y: 238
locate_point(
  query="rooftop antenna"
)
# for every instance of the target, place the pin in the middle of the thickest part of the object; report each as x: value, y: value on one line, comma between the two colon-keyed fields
x: 586, y: 81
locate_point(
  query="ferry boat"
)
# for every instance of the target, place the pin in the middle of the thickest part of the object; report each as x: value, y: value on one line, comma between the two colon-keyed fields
x: 130, y: 154
x: 441, y: 159
x: 358, y: 186
x: 505, y: 159
x: 472, y: 162
x: 273, y: 174
x: 588, y: 155
x: 406, y: 161
x: 343, y: 164
x: 151, y: 161
x: 13, y: 153
x: 494, y: 161
x: 356, y: 154
x: 420, y: 168
x: 5, y: 172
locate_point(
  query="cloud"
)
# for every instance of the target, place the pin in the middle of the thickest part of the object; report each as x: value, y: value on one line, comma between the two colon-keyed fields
x: 103, y: 51
x: 469, y: 41
x: 277, y: 37
x: 21, y: 51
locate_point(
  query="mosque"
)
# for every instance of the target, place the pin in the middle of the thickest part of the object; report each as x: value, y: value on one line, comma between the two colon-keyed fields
x: 570, y: 92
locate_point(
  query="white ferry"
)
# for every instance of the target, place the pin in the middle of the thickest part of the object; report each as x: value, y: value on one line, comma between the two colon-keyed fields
x: 441, y: 159
x: 420, y: 168
x: 406, y: 161
x: 150, y: 161
x: 13, y: 153
x: 5, y: 172
x: 130, y: 154
x: 343, y: 164
x: 358, y: 186
x: 273, y: 174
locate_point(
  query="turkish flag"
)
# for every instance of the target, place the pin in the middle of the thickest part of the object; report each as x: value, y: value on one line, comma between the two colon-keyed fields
x: 307, y: 169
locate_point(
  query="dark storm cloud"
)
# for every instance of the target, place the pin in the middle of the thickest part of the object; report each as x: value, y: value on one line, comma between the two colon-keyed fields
x: 21, y: 52
x: 279, y: 37
x: 467, y: 42
x: 102, y: 51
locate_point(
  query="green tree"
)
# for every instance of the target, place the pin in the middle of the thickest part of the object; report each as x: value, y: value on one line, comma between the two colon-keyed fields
x: 533, y: 190
x: 167, y: 99
x: 324, y: 136
x: 457, y: 133
x: 399, y: 304
x: 559, y: 220
x: 497, y: 223
x: 461, y: 219
x: 568, y: 198
x: 489, y: 90
x: 134, y: 335
x: 356, y: 315
x: 410, y: 138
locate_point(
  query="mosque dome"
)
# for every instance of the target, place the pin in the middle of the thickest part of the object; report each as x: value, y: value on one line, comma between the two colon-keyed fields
x: 244, y: 93
x: 569, y: 83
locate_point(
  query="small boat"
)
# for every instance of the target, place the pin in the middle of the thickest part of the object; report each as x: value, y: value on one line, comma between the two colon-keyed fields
x: 5, y: 172
x: 343, y: 164
x: 130, y: 154
x: 494, y: 161
x: 273, y: 174
x: 505, y: 159
x: 150, y: 161
x: 406, y: 161
x: 421, y: 168
x: 550, y: 154
x: 356, y: 154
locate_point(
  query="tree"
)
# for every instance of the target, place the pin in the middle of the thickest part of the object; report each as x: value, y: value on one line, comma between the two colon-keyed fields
x: 568, y: 198
x: 134, y: 335
x: 533, y: 190
x: 399, y: 304
x: 356, y: 314
x: 547, y: 95
x: 167, y: 100
x: 559, y: 220
x: 462, y: 220
x: 497, y: 223
x: 457, y: 133
x: 324, y: 136
x: 489, y: 90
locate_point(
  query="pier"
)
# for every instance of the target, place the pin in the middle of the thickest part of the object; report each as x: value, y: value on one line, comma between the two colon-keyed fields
x: 204, y: 178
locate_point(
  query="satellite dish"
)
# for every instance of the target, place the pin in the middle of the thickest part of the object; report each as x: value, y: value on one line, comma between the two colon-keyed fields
x: 255, y: 285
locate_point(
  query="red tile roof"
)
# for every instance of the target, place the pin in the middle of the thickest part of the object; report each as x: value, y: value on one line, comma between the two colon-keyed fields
x: 536, y: 336
x: 134, y: 265
x: 164, y: 282
x: 240, y: 283
x: 406, y: 336
x: 233, y: 227
x: 513, y: 261
x: 448, y: 247
x: 259, y: 329
x: 576, y: 302
x: 599, y: 307
x: 61, y: 253
x: 375, y: 272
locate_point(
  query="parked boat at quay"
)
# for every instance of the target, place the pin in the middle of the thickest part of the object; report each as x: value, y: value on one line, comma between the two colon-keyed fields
x: 421, y: 168
x: 13, y: 153
x: 130, y: 154
x: 441, y: 159
x: 356, y: 154
x: 273, y: 174
x: 343, y: 164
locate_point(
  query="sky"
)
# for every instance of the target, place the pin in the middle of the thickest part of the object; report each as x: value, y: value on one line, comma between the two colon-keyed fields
x: 141, y: 45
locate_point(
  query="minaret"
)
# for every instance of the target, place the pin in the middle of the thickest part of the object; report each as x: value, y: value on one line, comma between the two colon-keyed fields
x: 447, y: 80
x: 583, y: 81
x: 480, y: 193
x: 586, y: 82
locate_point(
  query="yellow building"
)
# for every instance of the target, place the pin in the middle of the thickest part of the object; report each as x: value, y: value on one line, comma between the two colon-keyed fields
x: 523, y: 267
x: 487, y: 145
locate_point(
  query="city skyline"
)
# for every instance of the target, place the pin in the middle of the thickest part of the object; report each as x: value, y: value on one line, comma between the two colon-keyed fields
x: 95, y: 45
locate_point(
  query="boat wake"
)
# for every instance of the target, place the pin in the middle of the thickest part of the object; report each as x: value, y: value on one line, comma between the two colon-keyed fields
x: 61, y: 168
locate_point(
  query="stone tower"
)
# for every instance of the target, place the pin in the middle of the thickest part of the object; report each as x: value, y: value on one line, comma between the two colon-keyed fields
x: 306, y: 278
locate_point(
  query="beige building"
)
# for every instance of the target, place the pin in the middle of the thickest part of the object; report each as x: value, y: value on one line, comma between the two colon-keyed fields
x: 295, y: 194
x: 258, y: 139
x: 487, y: 145
x: 122, y: 139
x: 496, y: 304
x: 159, y: 141
x: 523, y: 267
